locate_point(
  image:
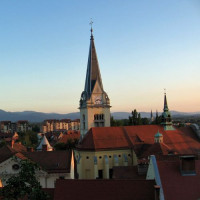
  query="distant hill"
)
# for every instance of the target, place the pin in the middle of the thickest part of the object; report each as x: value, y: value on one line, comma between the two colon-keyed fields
x: 33, y: 116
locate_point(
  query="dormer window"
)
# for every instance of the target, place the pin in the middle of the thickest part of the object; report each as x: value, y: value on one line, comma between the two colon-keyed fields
x: 187, y: 165
x: 15, y: 167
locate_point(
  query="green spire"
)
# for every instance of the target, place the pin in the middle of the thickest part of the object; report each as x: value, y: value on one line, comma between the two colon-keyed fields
x: 166, y: 115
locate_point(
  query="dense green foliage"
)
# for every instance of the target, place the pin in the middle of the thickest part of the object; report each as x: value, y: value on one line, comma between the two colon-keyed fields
x: 118, y: 122
x: 157, y: 120
x: 28, y: 138
x: 2, y: 143
x: 70, y: 144
x: 24, y: 184
x: 135, y: 119
x: 35, y: 127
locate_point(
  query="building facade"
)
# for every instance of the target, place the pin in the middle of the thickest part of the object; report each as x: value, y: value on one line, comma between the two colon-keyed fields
x: 51, y: 125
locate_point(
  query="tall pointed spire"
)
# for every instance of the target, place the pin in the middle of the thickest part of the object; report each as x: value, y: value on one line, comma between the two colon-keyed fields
x: 94, y: 101
x: 93, y: 72
x: 165, y: 102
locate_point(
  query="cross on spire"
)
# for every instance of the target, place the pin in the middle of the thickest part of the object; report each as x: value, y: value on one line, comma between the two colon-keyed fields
x: 91, y: 22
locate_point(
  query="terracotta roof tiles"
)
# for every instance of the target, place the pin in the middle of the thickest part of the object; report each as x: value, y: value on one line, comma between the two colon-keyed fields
x: 51, y: 161
x: 181, y: 140
x: 175, y: 185
x: 104, y: 189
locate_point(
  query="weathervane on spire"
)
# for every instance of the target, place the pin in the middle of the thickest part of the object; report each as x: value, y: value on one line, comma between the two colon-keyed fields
x: 164, y: 90
x: 91, y: 22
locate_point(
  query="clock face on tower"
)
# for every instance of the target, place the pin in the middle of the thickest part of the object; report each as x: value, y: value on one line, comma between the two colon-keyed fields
x: 98, y: 100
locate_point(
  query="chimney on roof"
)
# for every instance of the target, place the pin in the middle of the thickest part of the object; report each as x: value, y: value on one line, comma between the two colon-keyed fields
x: 44, y: 147
x: 198, y: 155
x: 30, y: 149
x: 12, y: 143
x: 142, y: 167
x: 187, y: 165
x: 157, y: 192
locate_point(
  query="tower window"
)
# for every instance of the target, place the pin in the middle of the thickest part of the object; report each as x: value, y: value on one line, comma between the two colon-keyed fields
x: 83, y: 125
x: 99, y: 120
x: 83, y: 121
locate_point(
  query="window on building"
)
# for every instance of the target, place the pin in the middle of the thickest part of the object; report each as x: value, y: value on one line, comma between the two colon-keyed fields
x: 110, y: 173
x: 83, y: 125
x: 99, y: 120
x: 100, y: 174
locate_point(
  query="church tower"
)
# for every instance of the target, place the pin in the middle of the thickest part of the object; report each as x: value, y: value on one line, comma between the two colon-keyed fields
x: 166, y: 116
x: 94, y: 102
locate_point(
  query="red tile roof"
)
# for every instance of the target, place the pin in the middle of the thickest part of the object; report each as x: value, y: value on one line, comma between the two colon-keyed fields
x: 105, y: 138
x: 52, y: 161
x: 182, y: 140
x: 104, y: 189
x: 7, y: 151
x: 157, y: 149
x: 69, y: 135
x: 127, y: 172
x: 175, y: 185
x: 19, y: 147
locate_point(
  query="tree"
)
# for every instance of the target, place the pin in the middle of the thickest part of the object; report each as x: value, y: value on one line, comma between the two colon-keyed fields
x: 114, y: 122
x: 24, y: 185
x: 36, y: 128
x: 145, y: 121
x: 135, y: 119
x: 70, y: 144
x: 2, y: 143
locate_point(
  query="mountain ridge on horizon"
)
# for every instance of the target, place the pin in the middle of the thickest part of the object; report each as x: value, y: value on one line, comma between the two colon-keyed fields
x: 34, y: 116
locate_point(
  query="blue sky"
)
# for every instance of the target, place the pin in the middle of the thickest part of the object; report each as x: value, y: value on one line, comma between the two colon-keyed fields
x: 142, y: 46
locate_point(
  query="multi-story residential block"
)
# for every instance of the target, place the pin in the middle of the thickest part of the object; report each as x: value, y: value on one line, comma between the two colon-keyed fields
x: 5, y: 126
x: 51, y: 125
x: 23, y: 126
x: 11, y: 127
x: 75, y: 124
x: 65, y: 124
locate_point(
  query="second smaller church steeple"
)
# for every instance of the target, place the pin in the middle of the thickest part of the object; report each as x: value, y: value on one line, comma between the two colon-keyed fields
x: 166, y: 116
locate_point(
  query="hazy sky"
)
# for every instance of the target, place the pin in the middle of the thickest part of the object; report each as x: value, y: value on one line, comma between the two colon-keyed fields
x: 143, y: 46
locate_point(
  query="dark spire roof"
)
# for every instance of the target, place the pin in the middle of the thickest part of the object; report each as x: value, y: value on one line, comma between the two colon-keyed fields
x: 93, y: 72
x: 165, y: 103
